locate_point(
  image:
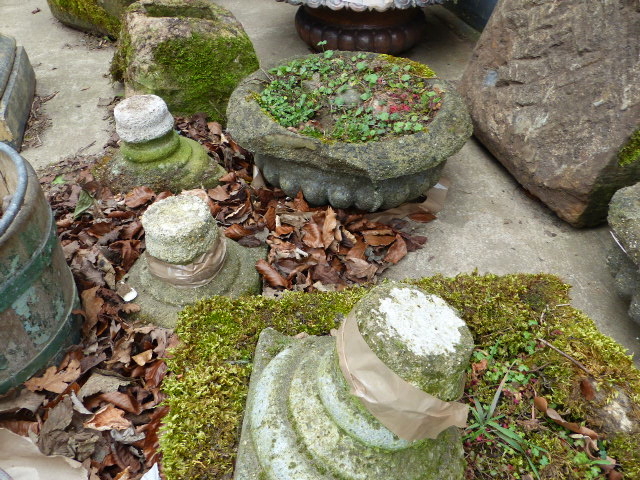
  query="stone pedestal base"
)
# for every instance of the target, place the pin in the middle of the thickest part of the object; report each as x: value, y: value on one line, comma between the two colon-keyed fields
x: 301, y: 423
x: 17, y: 87
x: 186, y: 168
x: 160, y: 301
x: 392, y: 31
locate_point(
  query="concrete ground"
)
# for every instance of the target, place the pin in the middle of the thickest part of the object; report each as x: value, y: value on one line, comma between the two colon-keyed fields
x: 488, y: 223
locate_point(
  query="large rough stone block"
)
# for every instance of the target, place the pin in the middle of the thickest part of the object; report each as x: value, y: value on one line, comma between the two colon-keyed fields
x: 553, y: 88
x: 17, y: 87
x: 191, y: 53
x: 624, y: 257
x: 101, y: 17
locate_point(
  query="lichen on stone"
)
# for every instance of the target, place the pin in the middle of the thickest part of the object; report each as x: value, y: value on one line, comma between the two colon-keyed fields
x: 210, y: 370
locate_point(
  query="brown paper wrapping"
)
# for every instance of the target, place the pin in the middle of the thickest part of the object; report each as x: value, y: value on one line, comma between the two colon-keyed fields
x: 404, y: 409
x: 196, y: 274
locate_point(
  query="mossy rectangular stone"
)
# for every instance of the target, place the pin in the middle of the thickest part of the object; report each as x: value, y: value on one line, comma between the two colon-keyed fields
x: 17, y: 94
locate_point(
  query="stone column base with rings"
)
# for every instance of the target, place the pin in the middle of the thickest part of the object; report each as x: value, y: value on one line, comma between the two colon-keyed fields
x: 188, y: 259
x: 378, y: 401
x: 153, y: 154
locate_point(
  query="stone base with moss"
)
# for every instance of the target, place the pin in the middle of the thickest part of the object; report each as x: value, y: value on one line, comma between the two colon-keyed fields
x: 190, y: 53
x: 506, y: 315
x: 101, y: 17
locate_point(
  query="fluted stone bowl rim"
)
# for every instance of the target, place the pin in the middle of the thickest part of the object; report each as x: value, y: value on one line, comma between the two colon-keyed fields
x: 375, y: 159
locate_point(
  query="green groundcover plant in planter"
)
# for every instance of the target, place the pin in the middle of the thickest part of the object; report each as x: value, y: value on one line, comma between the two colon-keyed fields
x: 350, y: 129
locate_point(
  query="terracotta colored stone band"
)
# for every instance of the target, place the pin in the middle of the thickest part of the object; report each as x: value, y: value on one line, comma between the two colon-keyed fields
x: 404, y: 409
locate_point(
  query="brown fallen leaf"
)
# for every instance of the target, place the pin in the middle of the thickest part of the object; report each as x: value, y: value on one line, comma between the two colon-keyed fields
x: 378, y: 240
x: 270, y: 274
x: 423, y: 217
x: 541, y: 405
x: 312, y: 235
x: 108, y: 418
x: 397, y: 251
x: 143, y: 358
x: 53, y: 380
x: 237, y: 231
x: 587, y: 389
x: 139, y: 196
x: 329, y: 228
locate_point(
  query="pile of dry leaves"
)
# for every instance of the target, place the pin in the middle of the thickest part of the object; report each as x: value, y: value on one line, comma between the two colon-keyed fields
x: 102, y: 404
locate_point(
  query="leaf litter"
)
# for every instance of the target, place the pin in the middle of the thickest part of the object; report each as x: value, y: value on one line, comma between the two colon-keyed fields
x: 103, y: 404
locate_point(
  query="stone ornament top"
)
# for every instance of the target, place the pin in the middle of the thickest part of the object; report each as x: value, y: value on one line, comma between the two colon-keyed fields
x: 179, y: 229
x: 142, y: 118
x: 362, y: 5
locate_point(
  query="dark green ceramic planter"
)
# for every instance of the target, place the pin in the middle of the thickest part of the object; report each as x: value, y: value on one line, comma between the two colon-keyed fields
x: 37, y: 291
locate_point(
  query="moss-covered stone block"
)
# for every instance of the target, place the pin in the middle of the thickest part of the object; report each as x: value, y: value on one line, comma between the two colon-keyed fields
x: 101, y: 17
x: 506, y: 315
x: 191, y: 53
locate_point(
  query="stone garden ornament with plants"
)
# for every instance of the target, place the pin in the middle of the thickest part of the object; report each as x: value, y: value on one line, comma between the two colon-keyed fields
x: 350, y: 129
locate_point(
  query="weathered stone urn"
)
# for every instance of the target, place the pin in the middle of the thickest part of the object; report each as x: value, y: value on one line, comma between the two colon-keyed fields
x: 371, y: 175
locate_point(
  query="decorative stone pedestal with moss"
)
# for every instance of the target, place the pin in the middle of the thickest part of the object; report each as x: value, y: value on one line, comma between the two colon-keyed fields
x: 192, y: 53
x: 624, y: 257
x: 153, y: 154
x: 17, y: 87
x: 302, y: 422
x: 187, y: 259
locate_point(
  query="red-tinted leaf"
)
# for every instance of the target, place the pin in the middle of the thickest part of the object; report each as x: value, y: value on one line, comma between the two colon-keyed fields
x: 423, y: 217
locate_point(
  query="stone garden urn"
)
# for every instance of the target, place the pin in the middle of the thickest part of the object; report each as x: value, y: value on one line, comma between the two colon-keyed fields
x: 382, y: 26
x: 370, y: 175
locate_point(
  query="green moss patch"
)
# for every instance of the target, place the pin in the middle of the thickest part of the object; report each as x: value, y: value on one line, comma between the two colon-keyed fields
x: 206, y: 70
x: 630, y: 152
x: 88, y: 15
x: 506, y: 314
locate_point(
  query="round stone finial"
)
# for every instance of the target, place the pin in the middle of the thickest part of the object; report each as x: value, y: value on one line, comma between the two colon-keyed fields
x: 418, y: 336
x: 179, y: 229
x: 142, y: 118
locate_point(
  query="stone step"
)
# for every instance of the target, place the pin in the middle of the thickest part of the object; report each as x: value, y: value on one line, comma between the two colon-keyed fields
x: 17, y: 86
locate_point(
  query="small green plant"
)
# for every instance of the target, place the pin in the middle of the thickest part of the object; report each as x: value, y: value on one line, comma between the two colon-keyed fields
x: 486, y: 426
x: 351, y: 99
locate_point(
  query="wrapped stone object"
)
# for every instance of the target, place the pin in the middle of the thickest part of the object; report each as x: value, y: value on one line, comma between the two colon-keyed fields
x: 187, y: 259
x: 321, y: 409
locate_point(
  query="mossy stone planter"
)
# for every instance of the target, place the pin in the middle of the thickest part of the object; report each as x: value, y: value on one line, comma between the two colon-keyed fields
x: 369, y: 176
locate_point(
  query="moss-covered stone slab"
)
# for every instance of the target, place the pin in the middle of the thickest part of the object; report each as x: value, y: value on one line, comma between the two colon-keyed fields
x: 506, y: 314
x: 191, y: 53
x: 101, y: 17
x: 17, y: 88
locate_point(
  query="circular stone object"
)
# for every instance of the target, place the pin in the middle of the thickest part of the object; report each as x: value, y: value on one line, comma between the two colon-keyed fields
x: 142, y: 118
x: 179, y: 229
x: 370, y: 176
x: 418, y: 336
